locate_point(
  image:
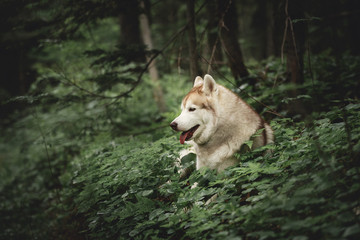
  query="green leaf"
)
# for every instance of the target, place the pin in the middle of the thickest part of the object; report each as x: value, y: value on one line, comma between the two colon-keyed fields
x: 146, y: 193
x: 155, y: 213
x: 352, y: 230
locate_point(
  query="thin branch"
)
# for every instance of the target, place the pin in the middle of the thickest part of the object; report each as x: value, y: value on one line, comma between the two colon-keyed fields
x: 266, y: 106
x: 288, y: 21
x: 283, y: 41
x: 139, y: 78
x: 72, y: 83
x: 213, y: 53
x: 246, y: 93
x: 48, y: 157
x: 309, y: 63
x: 179, y: 56
x: 294, y: 41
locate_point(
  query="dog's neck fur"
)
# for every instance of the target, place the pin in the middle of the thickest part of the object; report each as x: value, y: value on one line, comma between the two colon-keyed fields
x: 226, y: 140
x: 224, y: 123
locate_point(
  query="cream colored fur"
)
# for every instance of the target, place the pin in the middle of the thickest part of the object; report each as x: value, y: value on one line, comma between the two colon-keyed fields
x: 225, y: 122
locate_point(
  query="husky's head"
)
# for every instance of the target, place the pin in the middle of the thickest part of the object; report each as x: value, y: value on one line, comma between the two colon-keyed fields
x: 197, y: 120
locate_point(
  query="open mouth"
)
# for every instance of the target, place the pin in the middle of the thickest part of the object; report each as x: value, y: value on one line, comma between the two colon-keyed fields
x: 186, y: 135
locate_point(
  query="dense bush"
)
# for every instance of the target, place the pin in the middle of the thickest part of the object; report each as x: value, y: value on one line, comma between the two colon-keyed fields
x: 85, y: 169
x: 306, y: 190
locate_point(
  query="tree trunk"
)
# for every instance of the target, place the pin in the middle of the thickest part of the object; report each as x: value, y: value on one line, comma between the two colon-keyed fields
x: 295, y: 42
x: 154, y: 75
x: 129, y: 22
x: 295, y: 47
x: 214, y: 43
x: 270, y: 40
x: 193, y: 54
x: 229, y: 39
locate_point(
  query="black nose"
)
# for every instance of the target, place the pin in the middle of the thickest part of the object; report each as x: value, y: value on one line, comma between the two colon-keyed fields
x: 173, y: 125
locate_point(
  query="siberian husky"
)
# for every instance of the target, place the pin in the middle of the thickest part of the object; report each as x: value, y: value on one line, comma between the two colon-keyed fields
x: 217, y: 123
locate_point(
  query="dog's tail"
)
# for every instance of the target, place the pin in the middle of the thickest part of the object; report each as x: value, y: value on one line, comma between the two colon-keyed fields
x: 269, y: 134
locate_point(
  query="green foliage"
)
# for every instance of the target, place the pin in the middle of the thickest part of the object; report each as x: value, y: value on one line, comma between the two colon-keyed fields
x: 130, y: 188
x: 307, y: 189
x: 87, y: 155
x: 100, y: 169
x: 120, y: 181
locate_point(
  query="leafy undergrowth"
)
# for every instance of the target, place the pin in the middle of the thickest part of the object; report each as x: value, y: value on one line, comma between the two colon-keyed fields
x: 81, y: 168
x: 307, y: 189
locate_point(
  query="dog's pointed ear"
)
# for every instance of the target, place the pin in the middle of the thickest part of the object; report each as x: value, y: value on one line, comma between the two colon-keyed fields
x: 209, y: 84
x: 198, y: 81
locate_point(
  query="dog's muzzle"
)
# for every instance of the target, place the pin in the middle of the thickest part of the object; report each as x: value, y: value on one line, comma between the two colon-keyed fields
x: 174, y: 125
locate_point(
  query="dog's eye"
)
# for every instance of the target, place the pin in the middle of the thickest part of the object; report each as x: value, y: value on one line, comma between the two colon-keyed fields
x: 192, y: 109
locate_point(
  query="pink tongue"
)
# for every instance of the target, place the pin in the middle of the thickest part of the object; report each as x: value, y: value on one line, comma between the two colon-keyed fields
x: 183, y: 136
x: 187, y: 134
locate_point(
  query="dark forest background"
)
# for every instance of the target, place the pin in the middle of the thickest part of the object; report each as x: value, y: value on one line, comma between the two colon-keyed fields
x: 89, y: 87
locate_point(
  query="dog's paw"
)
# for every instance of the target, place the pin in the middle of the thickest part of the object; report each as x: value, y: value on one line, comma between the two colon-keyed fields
x: 194, y: 185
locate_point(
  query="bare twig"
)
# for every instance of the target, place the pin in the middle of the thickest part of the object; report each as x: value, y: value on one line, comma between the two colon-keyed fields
x: 139, y: 78
x: 213, y: 53
x: 179, y: 57
x: 283, y: 41
x: 48, y: 157
x: 309, y: 63
x: 288, y: 21
x: 272, y: 111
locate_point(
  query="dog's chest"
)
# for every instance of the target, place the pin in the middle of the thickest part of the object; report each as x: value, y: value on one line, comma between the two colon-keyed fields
x: 214, y: 158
